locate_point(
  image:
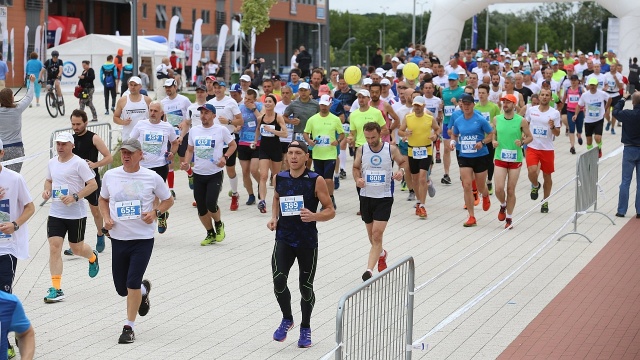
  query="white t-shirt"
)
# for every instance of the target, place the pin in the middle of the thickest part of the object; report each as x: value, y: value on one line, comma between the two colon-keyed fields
x: 579, y: 68
x: 176, y: 110
x: 194, y: 114
x: 226, y: 108
x: 555, y: 86
x: 433, y: 105
x: 154, y: 139
x: 293, y: 62
x: 533, y: 87
x: 540, y: 129
x: 594, y: 105
x: 16, y: 197
x: 601, y: 80
x: 135, y: 111
x: 613, y: 89
x: 212, y: 69
x: 68, y: 178
x: 481, y: 75
x: 494, y: 96
x: 442, y: 81
x: 163, y: 69
x: 208, y: 144
x: 131, y: 194
x: 279, y: 109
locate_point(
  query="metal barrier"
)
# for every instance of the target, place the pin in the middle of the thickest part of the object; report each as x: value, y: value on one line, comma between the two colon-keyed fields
x: 586, y: 189
x: 375, y: 319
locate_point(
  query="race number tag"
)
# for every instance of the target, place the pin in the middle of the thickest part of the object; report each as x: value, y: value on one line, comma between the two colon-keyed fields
x: 448, y: 110
x: 203, y: 146
x: 323, y: 141
x: 574, y: 98
x: 375, y: 178
x: 128, y: 210
x: 264, y: 132
x: 59, y: 191
x: 346, y: 127
x: 420, y: 152
x: 468, y: 147
x: 508, y: 155
x: 5, y: 216
x: 299, y: 136
x: 540, y: 131
x: 177, y: 131
x: 152, y: 142
x: 487, y: 116
x: 291, y: 205
x: 251, y: 124
x: 593, y: 110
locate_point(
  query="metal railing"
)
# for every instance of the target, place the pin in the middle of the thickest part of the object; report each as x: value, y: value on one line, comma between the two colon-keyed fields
x: 103, y: 130
x: 375, y: 319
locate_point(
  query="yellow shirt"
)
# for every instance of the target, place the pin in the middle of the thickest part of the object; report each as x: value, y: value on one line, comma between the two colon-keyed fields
x: 420, y: 132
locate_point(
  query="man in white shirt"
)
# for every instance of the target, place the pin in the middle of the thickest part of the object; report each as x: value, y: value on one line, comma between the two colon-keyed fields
x: 602, y: 83
x: 131, y: 108
x: 596, y: 104
x: 613, y: 80
x: 535, y: 89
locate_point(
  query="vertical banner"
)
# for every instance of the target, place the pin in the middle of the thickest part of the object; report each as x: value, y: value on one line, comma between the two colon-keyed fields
x: 321, y: 6
x: 5, y: 33
x: 222, y: 41
x: 26, y: 48
x: 474, y: 32
x: 197, y: 47
x: 235, y: 32
x: 253, y: 48
x: 56, y: 40
x: 171, y: 43
x: 38, y: 42
x: 12, y: 53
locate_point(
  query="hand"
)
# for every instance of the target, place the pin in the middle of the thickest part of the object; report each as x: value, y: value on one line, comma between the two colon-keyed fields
x: 433, y: 137
x: 479, y: 145
x: 335, y: 143
x: 32, y: 78
x: 495, y: 143
x: 108, y: 224
x: 295, y: 121
x: 222, y: 162
x: 148, y: 217
x: 272, y: 224
x: 360, y: 183
x: 306, y: 215
x: 1, y: 193
x: 7, y: 228
x: 67, y: 199
x: 91, y: 164
x: 454, y: 101
x: 350, y: 139
x: 408, y: 132
x: 398, y: 175
x: 452, y: 145
x: 223, y: 120
x: 347, y: 108
x: 46, y: 194
x: 518, y: 142
x: 184, y: 166
x: 312, y: 143
x: 551, y: 124
x: 180, y: 140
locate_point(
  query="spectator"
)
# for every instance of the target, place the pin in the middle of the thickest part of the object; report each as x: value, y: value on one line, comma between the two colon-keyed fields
x: 3, y: 72
x: 34, y: 67
x: 11, y: 123
x: 630, y: 120
x: 304, y: 62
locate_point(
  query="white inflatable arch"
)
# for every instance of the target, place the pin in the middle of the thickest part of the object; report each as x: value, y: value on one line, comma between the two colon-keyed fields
x: 448, y: 17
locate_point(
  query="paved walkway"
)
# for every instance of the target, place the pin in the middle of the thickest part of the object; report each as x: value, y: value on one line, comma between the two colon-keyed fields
x: 597, y: 315
x: 218, y: 302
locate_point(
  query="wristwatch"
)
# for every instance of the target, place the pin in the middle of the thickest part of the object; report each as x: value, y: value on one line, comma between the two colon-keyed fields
x: 75, y: 197
x: 158, y: 213
x: 15, y: 226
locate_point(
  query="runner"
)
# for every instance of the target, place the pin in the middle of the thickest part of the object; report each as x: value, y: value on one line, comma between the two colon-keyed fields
x: 69, y: 179
x: 511, y: 132
x: 270, y: 128
x: 470, y: 129
x: 176, y: 111
x: 295, y: 202
x: 206, y: 144
x: 453, y: 92
x: 320, y: 132
x: 544, y: 123
x: 420, y: 131
x: 373, y: 174
x: 127, y: 204
x: 571, y: 98
x: 281, y: 106
x: 13, y: 319
x: 595, y: 104
x: 489, y: 110
x: 194, y: 120
x: 248, y: 152
x: 402, y: 108
x: 131, y: 108
x: 614, y: 85
x: 302, y: 109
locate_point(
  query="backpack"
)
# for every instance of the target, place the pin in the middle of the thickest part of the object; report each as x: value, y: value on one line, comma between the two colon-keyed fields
x: 126, y: 74
x: 109, y: 81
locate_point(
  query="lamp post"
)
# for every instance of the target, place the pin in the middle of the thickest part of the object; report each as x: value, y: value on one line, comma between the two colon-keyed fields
x: 573, y: 37
x: 349, y: 37
x: 421, y: 21
x: 486, y: 31
x: 384, y: 27
x: 535, y: 43
x: 278, y: 55
x: 380, y: 31
x: 366, y: 61
x: 413, y: 24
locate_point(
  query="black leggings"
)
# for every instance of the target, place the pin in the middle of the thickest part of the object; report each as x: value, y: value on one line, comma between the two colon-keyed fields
x: 106, y: 97
x: 206, y: 190
x: 492, y: 152
x: 281, y: 262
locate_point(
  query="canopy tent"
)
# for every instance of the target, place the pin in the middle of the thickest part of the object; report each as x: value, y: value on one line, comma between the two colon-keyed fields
x: 96, y: 48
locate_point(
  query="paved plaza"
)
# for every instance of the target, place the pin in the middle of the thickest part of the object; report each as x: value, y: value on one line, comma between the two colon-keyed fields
x: 217, y: 302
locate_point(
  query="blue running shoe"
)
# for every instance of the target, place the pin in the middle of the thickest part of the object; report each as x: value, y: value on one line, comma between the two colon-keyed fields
x: 99, y: 243
x: 251, y: 200
x: 336, y: 182
x: 281, y: 332
x: 94, y: 267
x: 305, y: 338
x: 162, y: 222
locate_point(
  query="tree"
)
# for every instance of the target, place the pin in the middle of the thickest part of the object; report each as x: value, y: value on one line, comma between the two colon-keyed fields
x: 256, y: 15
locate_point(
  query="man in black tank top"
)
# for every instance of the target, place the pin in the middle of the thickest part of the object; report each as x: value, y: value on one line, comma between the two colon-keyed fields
x: 87, y: 146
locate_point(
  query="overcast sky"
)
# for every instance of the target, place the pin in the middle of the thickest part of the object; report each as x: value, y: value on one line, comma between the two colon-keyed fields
x: 406, y: 6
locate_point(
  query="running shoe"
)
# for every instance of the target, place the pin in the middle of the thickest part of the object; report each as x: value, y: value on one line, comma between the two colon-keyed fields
x: 417, y: 207
x: 100, y: 243
x: 173, y: 194
x: 470, y: 222
x: 210, y: 239
x: 251, y: 200
x: 422, y: 212
x: 403, y: 185
x: 333, y: 201
x: 190, y: 181
x: 502, y: 213
x: 534, y: 191
x: 235, y: 197
x: 127, y: 336
x: 113, y: 108
x: 11, y: 352
x: 412, y: 196
x: 54, y: 295
x: 194, y: 204
x: 613, y: 131
x: 367, y: 275
x: 343, y: 174
x: 486, y: 203
x: 145, y: 304
x: 220, y: 234
x: 336, y: 182
x: 162, y: 222
x: 490, y: 188
x: 572, y: 150
x: 608, y: 126
x: 438, y: 160
x: 507, y: 224
x: 281, y: 332
x: 544, y: 208
x: 262, y: 206
x: 446, y: 179
x: 382, y: 261
x: 305, y: 338
x: 68, y: 252
x: 599, y: 153
x: 106, y: 112
x: 431, y: 190
x: 579, y: 141
x: 476, y: 198
x: 94, y: 267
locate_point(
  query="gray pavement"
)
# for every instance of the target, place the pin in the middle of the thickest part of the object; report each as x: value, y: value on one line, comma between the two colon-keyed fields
x: 217, y: 301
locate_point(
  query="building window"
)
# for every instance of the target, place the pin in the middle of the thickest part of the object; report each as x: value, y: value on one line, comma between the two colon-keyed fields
x: 144, y: 10
x: 194, y: 14
x: 6, y: 2
x: 206, y: 17
x: 177, y: 11
x: 161, y: 17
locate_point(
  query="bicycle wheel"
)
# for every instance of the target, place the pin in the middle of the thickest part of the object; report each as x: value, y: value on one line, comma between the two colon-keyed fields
x: 61, y: 106
x: 52, y: 106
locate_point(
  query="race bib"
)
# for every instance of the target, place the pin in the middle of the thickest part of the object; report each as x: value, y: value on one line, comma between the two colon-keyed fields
x: 59, y: 191
x: 593, y: 110
x: 251, y: 124
x: 375, y: 178
x: 128, y: 210
x: 487, y: 116
x: 468, y: 147
x: 152, y: 142
x: 540, y: 131
x: 264, y: 132
x: 177, y: 131
x: 574, y: 98
x: 299, y: 136
x: 432, y: 109
x: 291, y: 205
x: 346, y: 127
x: 420, y: 152
x: 5, y: 213
x: 203, y: 146
x: 448, y: 110
x: 323, y: 141
x: 508, y: 155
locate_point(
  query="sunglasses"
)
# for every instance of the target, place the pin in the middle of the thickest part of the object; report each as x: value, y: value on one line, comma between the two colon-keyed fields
x: 402, y: 87
x: 468, y: 93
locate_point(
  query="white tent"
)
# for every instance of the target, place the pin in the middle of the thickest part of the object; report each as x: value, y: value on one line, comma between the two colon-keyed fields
x: 96, y: 48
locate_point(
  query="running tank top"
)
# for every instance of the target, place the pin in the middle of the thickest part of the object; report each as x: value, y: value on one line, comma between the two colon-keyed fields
x: 84, y: 147
x: 377, y: 170
x: 135, y: 111
x: 270, y: 140
x: 573, y: 96
x: 385, y: 138
x: 494, y: 96
x: 508, y: 132
x: 295, y: 194
x: 419, y: 141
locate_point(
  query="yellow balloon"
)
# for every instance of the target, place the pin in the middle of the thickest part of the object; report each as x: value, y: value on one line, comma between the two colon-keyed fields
x: 352, y: 75
x: 411, y: 71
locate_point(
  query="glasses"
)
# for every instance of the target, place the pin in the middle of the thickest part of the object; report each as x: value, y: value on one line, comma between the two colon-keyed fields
x: 468, y: 93
x: 402, y: 87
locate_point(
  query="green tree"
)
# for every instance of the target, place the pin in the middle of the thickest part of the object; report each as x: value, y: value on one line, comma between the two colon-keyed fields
x: 256, y: 15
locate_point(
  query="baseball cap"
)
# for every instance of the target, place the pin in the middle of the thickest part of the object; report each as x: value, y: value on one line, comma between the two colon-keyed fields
x: 461, y: 71
x: 395, y: 59
x: 64, y: 137
x: 546, y: 82
x: 400, y: 66
x: 590, y: 53
x: 554, y: 62
x: 304, y: 85
x: 453, y: 76
x: 207, y: 106
x: 424, y: 70
x: 245, y: 77
x: 513, y: 56
x: 526, y: 72
x: 507, y: 61
x: 495, y: 62
x: 364, y: 92
x: 611, y: 51
x: 467, y: 98
x: 579, y: 53
x: 276, y: 77
x: 385, y: 81
x: 324, y: 90
x: 300, y: 145
x: 509, y: 97
x: 201, y: 87
x: 516, y: 63
x: 568, y: 67
x: 525, y: 54
x: 236, y: 88
x: 419, y: 100
x: 169, y: 82
x: 502, y: 53
x: 380, y: 71
x: 480, y: 59
x: 390, y: 74
x: 325, y: 100
x: 131, y: 144
x: 592, y: 81
x: 136, y: 80
x: 211, y: 77
x: 220, y: 83
x: 506, y: 49
x: 367, y: 81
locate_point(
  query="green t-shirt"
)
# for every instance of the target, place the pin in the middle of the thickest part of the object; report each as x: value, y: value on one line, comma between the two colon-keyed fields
x: 323, y: 130
x: 558, y: 76
x: 489, y: 111
x: 359, y: 118
x: 449, y: 108
x: 507, y: 132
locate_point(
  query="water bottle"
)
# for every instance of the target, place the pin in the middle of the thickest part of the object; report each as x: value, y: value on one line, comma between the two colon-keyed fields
x: 318, y: 140
x: 166, y: 157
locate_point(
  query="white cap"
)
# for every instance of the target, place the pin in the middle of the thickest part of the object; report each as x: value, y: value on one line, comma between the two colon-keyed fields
x: 400, y: 67
x: 169, y: 82
x: 380, y: 71
x: 364, y: 92
x: 424, y: 70
x: 304, y: 85
x: 525, y: 54
x: 395, y: 58
x: 325, y: 100
x: 390, y: 74
x: 516, y: 63
x: 136, y: 80
x: 590, y: 53
x: 64, y: 137
x: 513, y: 56
x: 245, y: 77
x: 410, y: 49
x: 502, y: 53
x: 461, y: 71
x: 506, y: 49
x: 367, y: 81
x: 385, y: 81
x: 580, y: 53
x: 419, y: 100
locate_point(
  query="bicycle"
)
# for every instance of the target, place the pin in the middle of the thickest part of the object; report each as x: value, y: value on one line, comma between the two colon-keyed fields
x: 54, y: 103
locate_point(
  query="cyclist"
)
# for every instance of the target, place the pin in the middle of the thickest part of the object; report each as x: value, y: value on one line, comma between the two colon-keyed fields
x: 53, y: 68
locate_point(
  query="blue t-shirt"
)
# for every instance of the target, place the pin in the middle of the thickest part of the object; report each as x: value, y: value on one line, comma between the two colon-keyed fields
x: 3, y: 70
x: 605, y: 68
x: 294, y: 87
x: 33, y: 67
x: 248, y: 130
x: 469, y: 132
x: 12, y: 319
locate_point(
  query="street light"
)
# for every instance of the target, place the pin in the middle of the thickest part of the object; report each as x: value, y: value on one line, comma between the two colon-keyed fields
x: 384, y: 27
x: 319, y: 45
x: 366, y: 61
x: 573, y: 37
x: 413, y: 25
x: 278, y: 54
x: 380, y: 31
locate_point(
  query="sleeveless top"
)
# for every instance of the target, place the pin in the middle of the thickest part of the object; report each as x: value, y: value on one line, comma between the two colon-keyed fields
x: 377, y: 170
x: 135, y: 111
x: 270, y: 140
x: 508, y: 132
x: 385, y: 138
x: 419, y: 141
x: 572, y: 98
x: 85, y: 149
x: 295, y: 194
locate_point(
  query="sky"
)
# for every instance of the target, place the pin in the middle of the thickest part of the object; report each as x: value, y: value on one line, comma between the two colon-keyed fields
x: 406, y: 6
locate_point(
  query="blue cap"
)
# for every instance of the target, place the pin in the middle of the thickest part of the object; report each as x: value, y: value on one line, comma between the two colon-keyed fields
x: 453, y: 76
x: 221, y: 83
x: 526, y: 72
x: 554, y: 62
x: 495, y: 62
x: 236, y: 88
x: 209, y: 107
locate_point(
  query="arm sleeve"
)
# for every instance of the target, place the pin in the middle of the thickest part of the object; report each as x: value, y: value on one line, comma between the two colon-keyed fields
x: 85, y: 171
x: 19, y: 321
x: 288, y: 111
x: 235, y: 110
x: 91, y: 75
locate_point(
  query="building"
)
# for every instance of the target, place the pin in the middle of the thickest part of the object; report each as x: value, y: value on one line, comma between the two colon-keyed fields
x: 293, y: 22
